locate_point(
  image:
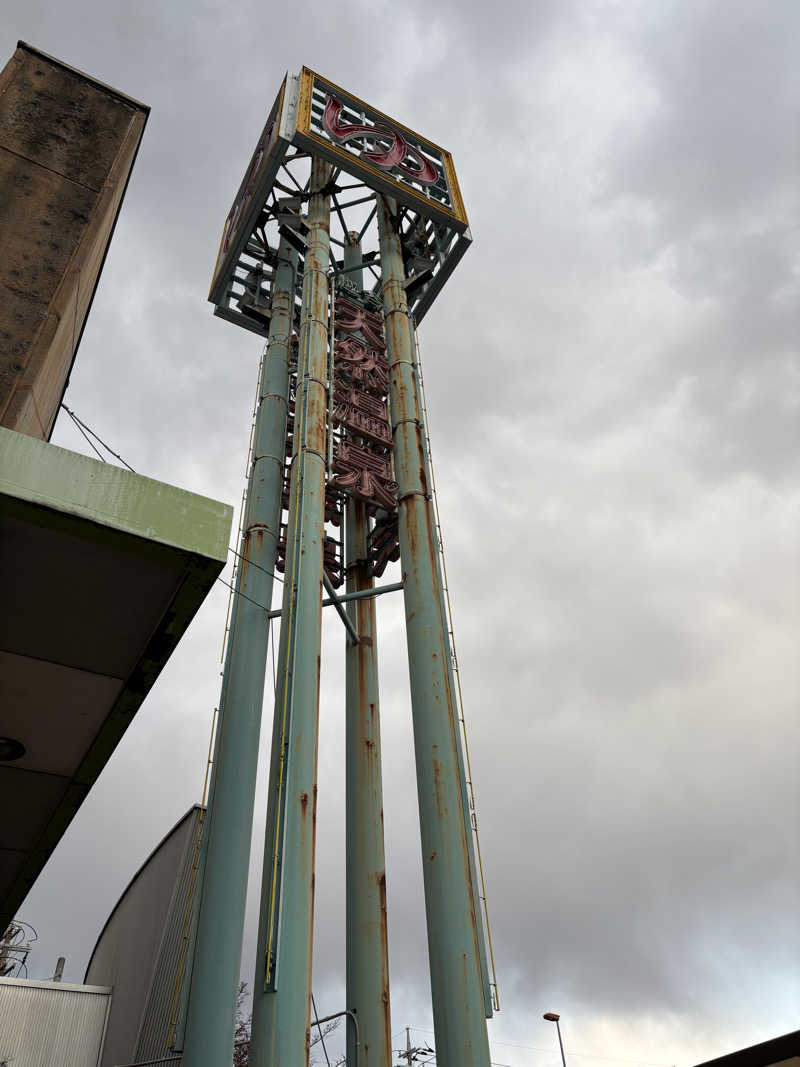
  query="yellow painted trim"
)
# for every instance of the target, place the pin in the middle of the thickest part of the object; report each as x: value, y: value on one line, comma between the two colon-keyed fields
x: 307, y: 77
x: 304, y: 100
x: 369, y: 169
x: 455, y: 189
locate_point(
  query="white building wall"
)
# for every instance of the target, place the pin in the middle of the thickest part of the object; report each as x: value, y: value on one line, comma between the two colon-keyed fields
x: 51, y: 1024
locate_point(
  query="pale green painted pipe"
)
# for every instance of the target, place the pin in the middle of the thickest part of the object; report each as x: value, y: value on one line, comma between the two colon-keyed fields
x: 344, y: 598
x: 281, y: 1005
x: 476, y: 897
x: 453, y: 933
x: 228, y: 827
x: 367, y: 945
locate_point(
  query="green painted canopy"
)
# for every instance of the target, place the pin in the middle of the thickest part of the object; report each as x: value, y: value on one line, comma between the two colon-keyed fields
x: 102, y: 571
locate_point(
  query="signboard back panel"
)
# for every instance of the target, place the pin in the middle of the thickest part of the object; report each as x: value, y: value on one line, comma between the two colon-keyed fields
x: 253, y: 191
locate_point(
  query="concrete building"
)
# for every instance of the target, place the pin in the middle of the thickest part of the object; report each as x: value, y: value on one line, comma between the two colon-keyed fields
x: 101, y: 569
x: 67, y: 147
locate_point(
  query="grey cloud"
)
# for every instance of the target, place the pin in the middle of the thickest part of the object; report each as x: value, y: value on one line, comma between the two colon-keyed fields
x: 611, y: 383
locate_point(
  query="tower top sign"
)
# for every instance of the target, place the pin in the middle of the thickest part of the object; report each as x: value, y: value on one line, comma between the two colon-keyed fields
x: 386, y: 155
x: 312, y: 116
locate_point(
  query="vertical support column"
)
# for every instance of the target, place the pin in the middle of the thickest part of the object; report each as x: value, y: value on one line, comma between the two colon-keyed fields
x: 282, y: 988
x: 465, y: 798
x: 454, y: 952
x: 367, y: 947
x: 215, y: 976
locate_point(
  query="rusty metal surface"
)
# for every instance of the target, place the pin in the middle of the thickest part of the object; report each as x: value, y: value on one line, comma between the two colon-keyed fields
x: 367, y: 940
x: 215, y: 978
x: 454, y: 952
x: 367, y: 943
x: 362, y: 461
x: 281, y: 1007
x: 312, y: 116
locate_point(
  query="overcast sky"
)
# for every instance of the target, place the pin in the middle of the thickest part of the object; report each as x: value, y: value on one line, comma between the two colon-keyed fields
x: 613, y: 388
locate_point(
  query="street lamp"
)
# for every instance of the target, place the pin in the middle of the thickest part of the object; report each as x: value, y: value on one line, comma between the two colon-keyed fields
x: 553, y: 1018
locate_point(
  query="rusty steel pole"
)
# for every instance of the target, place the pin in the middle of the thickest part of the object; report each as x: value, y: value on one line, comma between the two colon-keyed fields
x: 282, y: 992
x: 367, y: 947
x: 453, y: 947
x: 215, y: 975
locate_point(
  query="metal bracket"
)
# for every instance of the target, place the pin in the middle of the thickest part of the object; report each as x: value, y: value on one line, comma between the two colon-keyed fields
x: 339, y: 609
x: 335, y: 598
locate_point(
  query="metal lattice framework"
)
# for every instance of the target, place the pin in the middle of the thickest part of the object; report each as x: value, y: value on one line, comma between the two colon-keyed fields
x: 311, y: 115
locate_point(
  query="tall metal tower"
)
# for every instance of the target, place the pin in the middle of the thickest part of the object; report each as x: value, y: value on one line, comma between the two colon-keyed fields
x: 343, y: 231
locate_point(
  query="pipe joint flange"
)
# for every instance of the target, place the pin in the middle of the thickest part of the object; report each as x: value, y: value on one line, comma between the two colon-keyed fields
x: 267, y: 455
x: 400, y: 422
x: 413, y: 492
x: 316, y: 270
x: 354, y: 565
x: 310, y: 378
x: 313, y: 452
x: 259, y: 526
x: 320, y: 322
x: 395, y: 286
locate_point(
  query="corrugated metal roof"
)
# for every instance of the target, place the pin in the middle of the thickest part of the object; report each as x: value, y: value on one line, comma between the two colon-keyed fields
x: 51, y: 1024
x: 139, y: 951
x: 155, y: 1024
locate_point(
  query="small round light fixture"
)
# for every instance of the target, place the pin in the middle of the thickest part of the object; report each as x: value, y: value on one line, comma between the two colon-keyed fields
x: 11, y: 749
x: 551, y: 1016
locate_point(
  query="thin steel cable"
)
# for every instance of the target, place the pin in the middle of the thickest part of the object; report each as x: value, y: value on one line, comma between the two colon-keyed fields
x: 88, y: 439
x: 80, y: 423
x: 237, y: 592
x: 319, y: 1029
x: 258, y: 566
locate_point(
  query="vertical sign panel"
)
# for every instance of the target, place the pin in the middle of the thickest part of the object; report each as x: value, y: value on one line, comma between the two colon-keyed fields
x: 247, y: 206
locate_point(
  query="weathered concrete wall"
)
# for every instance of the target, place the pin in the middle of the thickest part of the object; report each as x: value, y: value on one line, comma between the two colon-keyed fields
x: 67, y: 146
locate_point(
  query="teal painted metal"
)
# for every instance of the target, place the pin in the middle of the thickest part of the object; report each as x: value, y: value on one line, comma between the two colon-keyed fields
x: 367, y: 946
x: 215, y: 976
x: 462, y: 774
x: 282, y: 990
x: 453, y: 932
x: 344, y: 598
x: 348, y: 624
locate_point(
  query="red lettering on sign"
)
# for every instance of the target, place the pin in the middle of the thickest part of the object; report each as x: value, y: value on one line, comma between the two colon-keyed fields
x: 389, y: 158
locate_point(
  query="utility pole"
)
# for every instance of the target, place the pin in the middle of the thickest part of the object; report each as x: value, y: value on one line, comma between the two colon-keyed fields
x: 410, y: 1053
